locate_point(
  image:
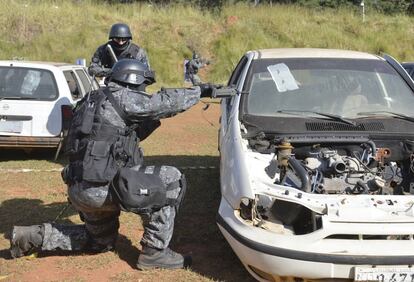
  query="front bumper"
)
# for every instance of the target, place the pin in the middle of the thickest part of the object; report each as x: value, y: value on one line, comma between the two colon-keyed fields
x: 313, y: 255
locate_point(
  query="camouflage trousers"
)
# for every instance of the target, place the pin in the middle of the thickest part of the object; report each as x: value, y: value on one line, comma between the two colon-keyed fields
x: 100, y: 212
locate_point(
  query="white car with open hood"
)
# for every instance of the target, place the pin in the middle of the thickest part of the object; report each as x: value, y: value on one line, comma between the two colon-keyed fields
x: 36, y: 100
x: 317, y: 166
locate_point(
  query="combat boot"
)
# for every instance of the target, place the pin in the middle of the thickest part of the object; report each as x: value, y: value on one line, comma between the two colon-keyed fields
x: 151, y: 258
x: 25, y: 239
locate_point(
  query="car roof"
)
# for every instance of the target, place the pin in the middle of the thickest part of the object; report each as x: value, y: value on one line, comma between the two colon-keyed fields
x: 311, y: 53
x: 38, y: 64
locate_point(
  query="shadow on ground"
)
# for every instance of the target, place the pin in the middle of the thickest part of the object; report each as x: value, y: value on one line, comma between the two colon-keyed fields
x: 195, y: 232
x: 32, y: 154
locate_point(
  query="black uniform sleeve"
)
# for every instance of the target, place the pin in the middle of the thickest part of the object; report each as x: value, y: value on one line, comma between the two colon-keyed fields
x: 97, y: 66
x: 162, y: 104
x: 140, y: 54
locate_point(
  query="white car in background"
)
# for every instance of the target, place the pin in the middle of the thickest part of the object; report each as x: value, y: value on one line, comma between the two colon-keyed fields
x: 36, y: 100
x: 317, y: 166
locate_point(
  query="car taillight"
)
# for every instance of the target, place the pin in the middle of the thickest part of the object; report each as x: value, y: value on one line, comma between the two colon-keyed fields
x: 67, y: 115
x: 67, y: 112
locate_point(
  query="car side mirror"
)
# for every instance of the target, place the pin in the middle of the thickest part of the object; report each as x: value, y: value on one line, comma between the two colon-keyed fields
x: 223, y: 92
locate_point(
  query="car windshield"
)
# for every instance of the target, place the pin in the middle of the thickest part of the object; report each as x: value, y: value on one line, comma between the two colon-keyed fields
x: 343, y: 87
x: 27, y: 83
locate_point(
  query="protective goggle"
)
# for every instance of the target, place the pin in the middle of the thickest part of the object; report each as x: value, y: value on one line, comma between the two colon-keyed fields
x: 121, y: 38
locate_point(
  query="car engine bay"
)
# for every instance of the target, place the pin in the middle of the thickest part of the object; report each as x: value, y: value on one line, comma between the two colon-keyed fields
x: 373, y: 167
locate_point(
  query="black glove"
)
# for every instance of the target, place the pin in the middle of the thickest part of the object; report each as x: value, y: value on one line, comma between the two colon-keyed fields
x: 206, y: 89
x: 104, y: 72
x: 107, y: 71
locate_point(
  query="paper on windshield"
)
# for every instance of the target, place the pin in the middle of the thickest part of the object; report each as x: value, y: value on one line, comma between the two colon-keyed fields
x: 282, y: 77
x: 30, y: 82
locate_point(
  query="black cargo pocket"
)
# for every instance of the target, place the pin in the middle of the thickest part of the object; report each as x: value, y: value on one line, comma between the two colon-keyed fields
x: 138, y: 156
x: 134, y: 151
x: 71, y: 143
x: 98, y: 164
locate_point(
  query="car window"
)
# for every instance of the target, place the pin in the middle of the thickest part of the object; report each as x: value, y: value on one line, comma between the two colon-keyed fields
x: 410, y: 70
x: 73, y: 84
x: 336, y: 86
x: 27, y: 83
x: 85, y: 81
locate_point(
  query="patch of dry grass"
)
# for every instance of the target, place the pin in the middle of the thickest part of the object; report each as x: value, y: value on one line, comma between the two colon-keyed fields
x: 33, y: 198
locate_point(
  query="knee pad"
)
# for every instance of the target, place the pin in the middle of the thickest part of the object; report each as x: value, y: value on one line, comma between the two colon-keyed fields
x: 139, y: 191
x: 169, y: 174
x: 176, y: 191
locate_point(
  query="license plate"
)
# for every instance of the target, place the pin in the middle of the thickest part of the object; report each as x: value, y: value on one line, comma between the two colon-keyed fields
x: 382, y: 274
x: 11, y: 126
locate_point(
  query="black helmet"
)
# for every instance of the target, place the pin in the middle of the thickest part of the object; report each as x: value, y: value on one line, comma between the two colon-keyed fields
x: 133, y: 72
x: 120, y: 30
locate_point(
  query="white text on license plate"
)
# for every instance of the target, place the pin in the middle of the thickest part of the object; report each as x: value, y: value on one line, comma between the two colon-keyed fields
x: 382, y: 274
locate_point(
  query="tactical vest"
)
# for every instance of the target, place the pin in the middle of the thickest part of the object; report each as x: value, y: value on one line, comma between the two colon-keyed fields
x: 96, y: 148
x: 130, y: 52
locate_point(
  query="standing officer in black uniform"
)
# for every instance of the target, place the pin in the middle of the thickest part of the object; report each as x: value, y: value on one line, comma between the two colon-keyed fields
x: 193, y: 66
x: 120, y: 42
x: 106, y: 173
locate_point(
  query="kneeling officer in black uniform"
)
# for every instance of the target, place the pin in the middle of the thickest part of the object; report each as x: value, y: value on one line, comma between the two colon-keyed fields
x: 106, y: 172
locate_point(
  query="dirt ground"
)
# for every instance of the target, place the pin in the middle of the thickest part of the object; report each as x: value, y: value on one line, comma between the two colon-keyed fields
x: 188, y: 141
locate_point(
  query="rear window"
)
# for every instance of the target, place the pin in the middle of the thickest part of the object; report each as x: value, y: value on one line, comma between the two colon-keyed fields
x: 27, y: 84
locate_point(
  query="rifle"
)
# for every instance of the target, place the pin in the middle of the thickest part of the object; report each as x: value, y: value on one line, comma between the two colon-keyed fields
x: 112, y: 53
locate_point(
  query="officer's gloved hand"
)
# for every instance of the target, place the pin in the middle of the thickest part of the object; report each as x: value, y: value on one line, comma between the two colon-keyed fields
x: 105, y: 72
x: 207, y: 89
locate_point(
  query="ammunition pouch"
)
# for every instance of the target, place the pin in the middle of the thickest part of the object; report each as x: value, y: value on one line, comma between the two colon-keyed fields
x: 98, y: 162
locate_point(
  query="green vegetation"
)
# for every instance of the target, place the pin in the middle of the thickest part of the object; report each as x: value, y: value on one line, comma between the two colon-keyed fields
x: 66, y: 30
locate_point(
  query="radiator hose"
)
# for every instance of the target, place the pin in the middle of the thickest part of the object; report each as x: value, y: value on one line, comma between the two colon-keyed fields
x: 302, y: 173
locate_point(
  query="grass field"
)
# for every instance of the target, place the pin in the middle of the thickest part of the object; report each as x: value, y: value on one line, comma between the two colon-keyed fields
x: 185, y: 141
x: 59, y: 30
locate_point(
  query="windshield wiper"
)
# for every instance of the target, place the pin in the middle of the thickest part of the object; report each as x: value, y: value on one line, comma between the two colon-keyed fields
x: 396, y: 115
x: 331, y: 116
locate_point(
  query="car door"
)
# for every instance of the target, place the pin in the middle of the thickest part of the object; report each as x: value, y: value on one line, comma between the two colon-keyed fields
x: 86, y: 82
x: 79, y: 82
x: 76, y: 91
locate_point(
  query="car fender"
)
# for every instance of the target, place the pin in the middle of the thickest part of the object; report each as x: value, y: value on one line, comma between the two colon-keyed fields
x: 234, y: 176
